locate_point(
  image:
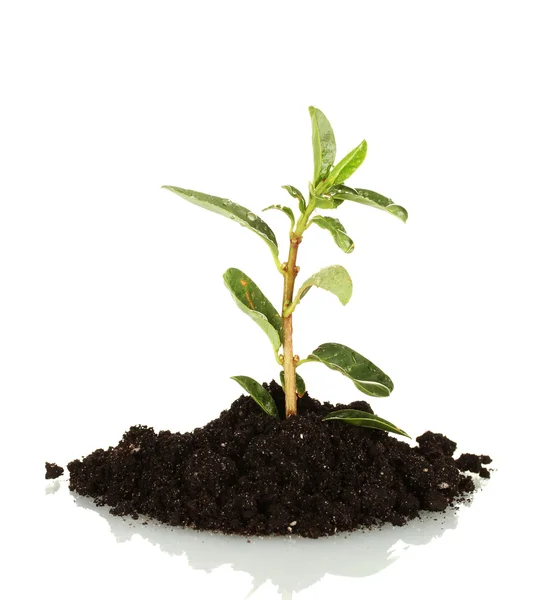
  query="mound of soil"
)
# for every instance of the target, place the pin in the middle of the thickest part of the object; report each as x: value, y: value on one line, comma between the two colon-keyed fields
x: 248, y: 473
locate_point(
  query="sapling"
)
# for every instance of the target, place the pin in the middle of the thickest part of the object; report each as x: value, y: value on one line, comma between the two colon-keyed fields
x: 326, y: 191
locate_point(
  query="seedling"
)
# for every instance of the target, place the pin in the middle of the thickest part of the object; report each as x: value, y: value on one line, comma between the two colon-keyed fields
x: 326, y: 191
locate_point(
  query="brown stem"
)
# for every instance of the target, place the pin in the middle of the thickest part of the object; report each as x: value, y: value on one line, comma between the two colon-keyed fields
x: 290, y: 377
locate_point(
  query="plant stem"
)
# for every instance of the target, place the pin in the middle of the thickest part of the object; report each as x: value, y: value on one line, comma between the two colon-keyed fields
x: 290, y: 273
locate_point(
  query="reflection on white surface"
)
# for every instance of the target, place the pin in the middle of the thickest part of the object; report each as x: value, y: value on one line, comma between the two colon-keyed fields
x: 292, y: 564
x: 53, y: 487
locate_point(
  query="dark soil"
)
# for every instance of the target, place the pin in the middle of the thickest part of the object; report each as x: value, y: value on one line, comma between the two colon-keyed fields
x: 248, y: 473
x: 53, y: 471
x: 474, y: 464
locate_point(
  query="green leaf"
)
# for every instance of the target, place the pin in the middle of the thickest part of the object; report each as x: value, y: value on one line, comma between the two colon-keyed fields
x: 336, y: 229
x: 369, y: 198
x: 341, y: 189
x: 333, y: 197
x: 324, y: 200
x: 284, y: 209
x: 368, y: 378
x: 294, y: 192
x: 254, y: 303
x: 301, y: 386
x: 323, y: 144
x: 363, y: 419
x: 334, y: 279
x: 348, y: 165
x: 327, y: 201
x: 231, y: 210
x: 261, y: 396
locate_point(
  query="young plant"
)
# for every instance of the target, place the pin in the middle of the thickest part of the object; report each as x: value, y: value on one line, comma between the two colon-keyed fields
x: 326, y: 191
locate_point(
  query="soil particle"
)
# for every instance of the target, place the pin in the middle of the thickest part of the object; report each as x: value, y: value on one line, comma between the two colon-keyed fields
x: 250, y: 474
x: 435, y: 444
x: 53, y: 471
x: 474, y: 464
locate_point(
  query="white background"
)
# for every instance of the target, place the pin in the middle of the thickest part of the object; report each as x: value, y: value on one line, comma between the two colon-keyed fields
x: 113, y: 311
